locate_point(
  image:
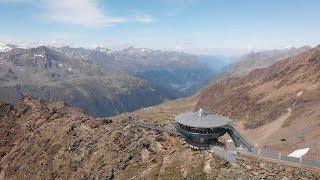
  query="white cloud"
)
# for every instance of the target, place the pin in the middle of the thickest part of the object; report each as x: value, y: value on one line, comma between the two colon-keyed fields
x: 144, y: 18
x: 88, y: 13
x: 80, y: 12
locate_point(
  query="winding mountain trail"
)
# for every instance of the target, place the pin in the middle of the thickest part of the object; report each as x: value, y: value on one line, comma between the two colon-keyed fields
x: 259, y: 135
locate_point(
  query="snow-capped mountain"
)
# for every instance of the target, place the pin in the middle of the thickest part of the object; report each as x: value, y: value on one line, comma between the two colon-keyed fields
x: 7, y: 47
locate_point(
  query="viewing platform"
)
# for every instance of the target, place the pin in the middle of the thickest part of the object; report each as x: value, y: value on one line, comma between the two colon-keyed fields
x: 201, y: 129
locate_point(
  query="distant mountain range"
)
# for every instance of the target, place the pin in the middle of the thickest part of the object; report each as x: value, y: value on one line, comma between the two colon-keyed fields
x: 101, y: 81
x: 256, y: 60
x: 50, y: 75
x: 105, y: 82
x: 177, y: 73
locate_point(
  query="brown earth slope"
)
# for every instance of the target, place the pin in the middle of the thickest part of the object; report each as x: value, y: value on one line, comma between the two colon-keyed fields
x: 279, y: 102
x: 53, y: 141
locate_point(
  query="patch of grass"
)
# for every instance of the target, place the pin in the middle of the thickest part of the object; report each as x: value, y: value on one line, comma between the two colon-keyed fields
x: 311, y: 95
x: 173, y: 171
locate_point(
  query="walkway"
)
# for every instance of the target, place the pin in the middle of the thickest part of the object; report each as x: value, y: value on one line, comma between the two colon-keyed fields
x: 154, y: 127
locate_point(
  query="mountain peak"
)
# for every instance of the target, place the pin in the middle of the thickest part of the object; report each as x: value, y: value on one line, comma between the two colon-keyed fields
x: 137, y: 50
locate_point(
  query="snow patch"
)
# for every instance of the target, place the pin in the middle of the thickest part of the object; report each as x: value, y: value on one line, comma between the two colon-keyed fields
x: 147, y: 108
x: 299, y: 153
x: 4, y: 48
x: 60, y: 65
x: 38, y: 55
x: 299, y: 93
x: 230, y: 140
x: 69, y: 69
x: 104, y: 50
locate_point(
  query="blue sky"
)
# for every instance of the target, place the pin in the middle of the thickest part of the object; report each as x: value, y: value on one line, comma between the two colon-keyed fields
x: 190, y: 25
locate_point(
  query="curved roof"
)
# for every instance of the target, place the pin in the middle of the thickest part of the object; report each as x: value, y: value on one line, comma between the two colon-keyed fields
x: 208, y: 120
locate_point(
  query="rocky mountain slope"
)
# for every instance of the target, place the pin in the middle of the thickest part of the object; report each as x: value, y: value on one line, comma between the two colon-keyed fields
x: 42, y: 140
x: 279, y: 102
x: 177, y: 73
x: 97, y: 89
x: 256, y: 60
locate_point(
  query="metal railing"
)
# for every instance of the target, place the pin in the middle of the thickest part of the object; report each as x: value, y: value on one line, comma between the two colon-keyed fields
x: 282, y: 157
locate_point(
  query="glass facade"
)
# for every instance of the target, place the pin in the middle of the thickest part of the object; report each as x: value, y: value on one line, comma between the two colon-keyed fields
x: 203, y: 136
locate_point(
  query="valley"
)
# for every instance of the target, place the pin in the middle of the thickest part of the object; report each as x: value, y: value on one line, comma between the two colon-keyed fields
x: 177, y: 73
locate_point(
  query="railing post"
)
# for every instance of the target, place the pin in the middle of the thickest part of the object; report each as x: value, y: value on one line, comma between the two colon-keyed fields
x: 240, y: 148
x: 279, y: 156
x: 259, y: 152
x: 300, y: 159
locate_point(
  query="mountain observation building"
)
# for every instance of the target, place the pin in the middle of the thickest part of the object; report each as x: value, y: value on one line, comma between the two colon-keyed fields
x: 200, y: 129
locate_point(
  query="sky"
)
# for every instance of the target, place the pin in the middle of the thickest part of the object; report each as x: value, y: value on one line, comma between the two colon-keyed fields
x: 200, y: 26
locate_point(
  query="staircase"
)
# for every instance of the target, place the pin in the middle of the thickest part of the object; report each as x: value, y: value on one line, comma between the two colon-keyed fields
x: 238, y: 139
